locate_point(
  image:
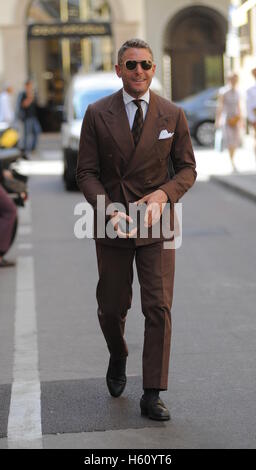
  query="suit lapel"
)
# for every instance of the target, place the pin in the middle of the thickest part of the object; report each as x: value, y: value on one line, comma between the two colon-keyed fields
x: 117, y: 123
x: 154, y: 122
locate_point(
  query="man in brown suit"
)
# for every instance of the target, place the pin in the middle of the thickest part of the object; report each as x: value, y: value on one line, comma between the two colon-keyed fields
x: 135, y: 147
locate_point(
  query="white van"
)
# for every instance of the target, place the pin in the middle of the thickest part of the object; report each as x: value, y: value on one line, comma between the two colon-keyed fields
x: 83, y: 90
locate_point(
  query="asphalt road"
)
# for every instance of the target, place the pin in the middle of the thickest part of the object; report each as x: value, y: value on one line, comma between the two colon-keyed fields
x: 52, y: 349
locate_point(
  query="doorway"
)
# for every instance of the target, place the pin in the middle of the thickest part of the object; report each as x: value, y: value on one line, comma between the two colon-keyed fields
x: 194, y: 41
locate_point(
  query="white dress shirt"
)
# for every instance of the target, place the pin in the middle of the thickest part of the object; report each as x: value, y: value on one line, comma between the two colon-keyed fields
x: 131, y: 108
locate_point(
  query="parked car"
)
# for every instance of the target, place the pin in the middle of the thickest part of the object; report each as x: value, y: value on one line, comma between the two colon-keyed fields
x: 200, y: 110
x: 84, y: 89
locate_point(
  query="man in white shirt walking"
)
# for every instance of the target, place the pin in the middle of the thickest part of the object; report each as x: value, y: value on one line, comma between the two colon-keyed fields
x: 251, y: 106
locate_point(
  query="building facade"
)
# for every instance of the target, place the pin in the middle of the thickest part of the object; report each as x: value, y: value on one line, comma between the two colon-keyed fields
x: 243, y: 25
x: 51, y: 40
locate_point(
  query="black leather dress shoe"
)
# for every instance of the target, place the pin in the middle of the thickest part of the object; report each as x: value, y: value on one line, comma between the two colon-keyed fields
x: 154, y: 408
x: 116, y: 377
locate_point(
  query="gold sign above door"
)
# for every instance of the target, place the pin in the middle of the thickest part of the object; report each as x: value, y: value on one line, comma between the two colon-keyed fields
x: 65, y: 30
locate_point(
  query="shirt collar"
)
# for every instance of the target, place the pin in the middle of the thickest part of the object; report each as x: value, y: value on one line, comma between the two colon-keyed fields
x: 128, y: 98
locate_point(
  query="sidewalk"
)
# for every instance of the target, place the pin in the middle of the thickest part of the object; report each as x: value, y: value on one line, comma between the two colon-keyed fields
x: 244, y: 184
x: 217, y: 167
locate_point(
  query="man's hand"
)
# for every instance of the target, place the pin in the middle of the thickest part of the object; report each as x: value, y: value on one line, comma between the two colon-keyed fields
x: 120, y: 218
x: 156, y: 203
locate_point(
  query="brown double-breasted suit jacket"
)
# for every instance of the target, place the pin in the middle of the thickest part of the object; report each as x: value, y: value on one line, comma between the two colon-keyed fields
x: 110, y: 165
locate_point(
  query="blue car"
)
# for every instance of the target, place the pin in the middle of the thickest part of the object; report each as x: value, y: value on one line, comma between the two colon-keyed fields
x: 200, y: 110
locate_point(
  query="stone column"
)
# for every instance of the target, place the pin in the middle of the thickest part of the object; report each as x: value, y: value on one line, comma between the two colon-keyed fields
x: 14, y: 55
x: 122, y: 32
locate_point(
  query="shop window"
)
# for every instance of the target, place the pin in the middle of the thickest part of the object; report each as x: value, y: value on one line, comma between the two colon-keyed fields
x: 45, y: 11
x: 66, y: 37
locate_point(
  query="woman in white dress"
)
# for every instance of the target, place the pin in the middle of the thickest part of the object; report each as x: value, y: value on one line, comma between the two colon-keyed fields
x: 228, y: 116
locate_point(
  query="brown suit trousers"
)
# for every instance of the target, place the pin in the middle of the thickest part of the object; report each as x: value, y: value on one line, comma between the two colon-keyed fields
x: 155, y: 268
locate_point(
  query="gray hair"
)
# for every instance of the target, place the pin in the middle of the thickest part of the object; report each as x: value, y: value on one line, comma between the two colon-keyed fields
x: 133, y: 43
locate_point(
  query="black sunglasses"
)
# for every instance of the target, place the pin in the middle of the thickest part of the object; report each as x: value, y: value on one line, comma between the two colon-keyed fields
x: 132, y: 64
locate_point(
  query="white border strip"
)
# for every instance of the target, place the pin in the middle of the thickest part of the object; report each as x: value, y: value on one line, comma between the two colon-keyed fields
x: 24, y: 424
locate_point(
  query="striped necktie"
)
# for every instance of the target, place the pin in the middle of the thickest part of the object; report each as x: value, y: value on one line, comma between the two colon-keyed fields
x: 137, y: 123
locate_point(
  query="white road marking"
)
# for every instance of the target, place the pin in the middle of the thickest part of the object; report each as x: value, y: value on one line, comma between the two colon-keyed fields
x: 25, y: 220
x: 24, y: 423
x: 25, y: 246
x: 25, y: 217
x: 24, y: 230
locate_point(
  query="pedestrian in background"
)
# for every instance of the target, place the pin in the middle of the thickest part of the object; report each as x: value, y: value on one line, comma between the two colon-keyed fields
x: 6, y: 105
x: 28, y: 114
x: 229, y: 116
x: 127, y: 142
x: 251, y: 106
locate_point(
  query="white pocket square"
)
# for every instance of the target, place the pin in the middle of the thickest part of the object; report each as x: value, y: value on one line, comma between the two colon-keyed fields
x: 165, y: 134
